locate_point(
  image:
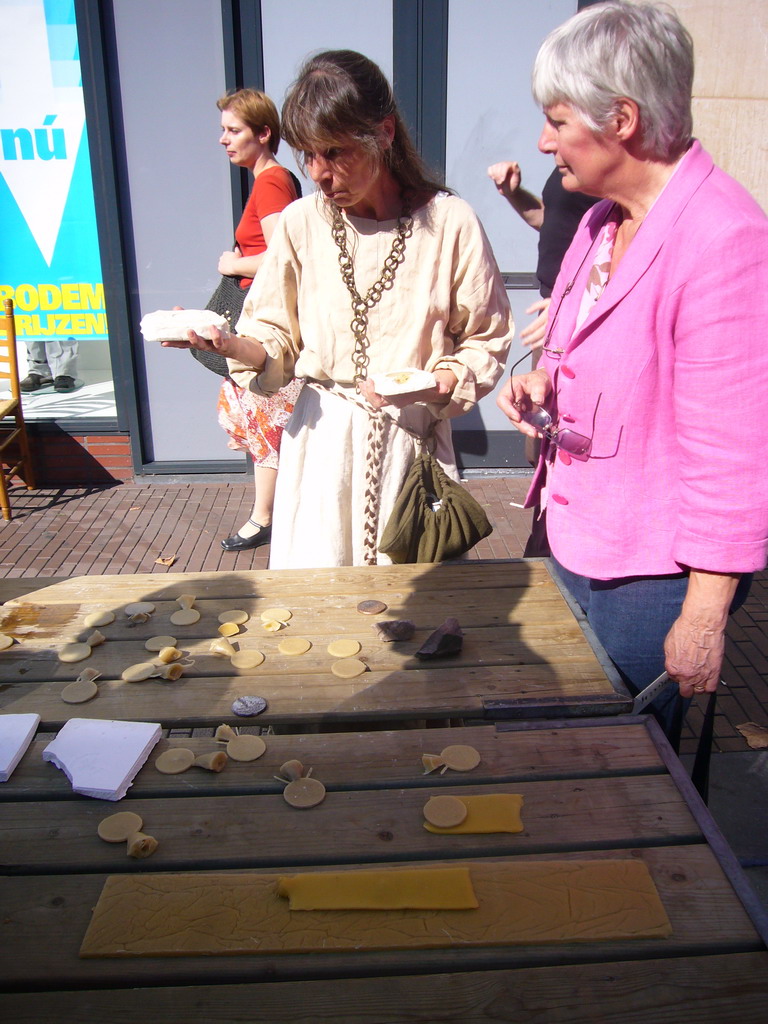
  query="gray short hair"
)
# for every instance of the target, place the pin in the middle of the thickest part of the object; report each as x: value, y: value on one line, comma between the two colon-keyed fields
x: 640, y: 51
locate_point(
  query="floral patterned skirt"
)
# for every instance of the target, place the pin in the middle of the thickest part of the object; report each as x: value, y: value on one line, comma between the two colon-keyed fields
x: 254, y: 422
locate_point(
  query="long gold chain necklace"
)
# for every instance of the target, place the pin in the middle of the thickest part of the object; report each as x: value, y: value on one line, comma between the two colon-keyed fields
x: 360, y: 305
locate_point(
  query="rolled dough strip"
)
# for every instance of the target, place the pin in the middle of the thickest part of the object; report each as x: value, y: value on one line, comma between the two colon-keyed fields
x: 385, y: 889
x: 492, y: 812
x: 117, y: 827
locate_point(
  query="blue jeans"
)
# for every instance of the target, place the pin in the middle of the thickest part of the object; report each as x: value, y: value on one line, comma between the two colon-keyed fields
x: 631, y: 618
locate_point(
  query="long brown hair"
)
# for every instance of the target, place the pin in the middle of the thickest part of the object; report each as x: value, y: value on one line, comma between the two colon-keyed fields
x: 340, y: 94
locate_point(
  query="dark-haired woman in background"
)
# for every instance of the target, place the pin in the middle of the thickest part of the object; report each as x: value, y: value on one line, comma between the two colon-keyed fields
x: 427, y: 295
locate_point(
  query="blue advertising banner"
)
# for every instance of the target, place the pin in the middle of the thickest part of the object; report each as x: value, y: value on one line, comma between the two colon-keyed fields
x: 49, y: 253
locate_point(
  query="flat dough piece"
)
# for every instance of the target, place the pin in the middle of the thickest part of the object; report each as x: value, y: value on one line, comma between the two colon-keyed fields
x: 175, y: 761
x: 380, y: 889
x: 460, y: 757
x: 304, y: 792
x: 5, y: 642
x: 520, y: 903
x: 139, y: 608
x: 237, y: 615
x: 157, y: 643
x: 246, y: 747
x: 139, y: 672
x: 281, y: 614
x: 348, y: 668
x: 185, y: 617
x: 293, y: 645
x: 173, y: 324
x: 344, y: 648
x: 445, y: 811
x: 247, y: 659
x: 102, y: 618
x: 71, y: 653
x: 118, y: 827
x: 79, y: 692
x: 493, y: 812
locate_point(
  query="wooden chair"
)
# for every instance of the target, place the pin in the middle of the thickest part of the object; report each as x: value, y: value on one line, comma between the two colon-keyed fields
x: 13, y: 430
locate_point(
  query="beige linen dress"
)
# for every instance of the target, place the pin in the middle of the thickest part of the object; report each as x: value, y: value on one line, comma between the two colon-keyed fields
x: 446, y: 309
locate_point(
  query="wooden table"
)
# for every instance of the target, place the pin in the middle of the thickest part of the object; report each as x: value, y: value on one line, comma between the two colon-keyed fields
x: 593, y: 789
x: 527, y: 652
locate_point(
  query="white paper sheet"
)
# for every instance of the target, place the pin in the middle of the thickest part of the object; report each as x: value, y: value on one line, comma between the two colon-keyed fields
x: 16, y: 732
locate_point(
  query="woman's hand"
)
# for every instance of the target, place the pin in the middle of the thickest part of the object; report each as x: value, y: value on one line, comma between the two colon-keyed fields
x: 247, y: 351
x: 534, y: 334
x: 438, y: 395
x: 695, y: 644
x: 520, y: 394
x: 229, y: 262
x: 506, y: 177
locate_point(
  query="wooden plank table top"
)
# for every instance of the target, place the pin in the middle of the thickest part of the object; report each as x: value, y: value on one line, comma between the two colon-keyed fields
x: 593, y: 790
x: 526, y: 653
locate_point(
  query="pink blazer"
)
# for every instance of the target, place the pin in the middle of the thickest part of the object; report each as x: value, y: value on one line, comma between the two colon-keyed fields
x: 669, y: 377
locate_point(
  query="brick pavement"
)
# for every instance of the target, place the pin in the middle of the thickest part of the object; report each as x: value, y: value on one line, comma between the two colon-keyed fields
x: 126, y: 528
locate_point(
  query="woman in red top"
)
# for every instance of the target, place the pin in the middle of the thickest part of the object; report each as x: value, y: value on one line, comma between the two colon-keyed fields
x: 251, y: 134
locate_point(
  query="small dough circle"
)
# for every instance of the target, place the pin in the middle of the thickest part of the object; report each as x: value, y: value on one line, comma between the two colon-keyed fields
x: 348, y: 668
x: 175, y: 761
x: 79, y: 692
x: 371, y: 607
x: 118, y: 827
x: 293, y: 645
x: 139, y: 608
x: 281, y: 614
x: 102, y: 618
x: 344, y: 648
x: 74, y: 652
x: 138, y: 673
x: 306, y: 792
x: 246, y: 747
x: 5, y: 641
x: 247, y: 659
x: 185, y: 617
x: 445, y: 811
x: 460, y: 757
x: 237, y: 615
x: 157, y: 643
x: 229, y: 629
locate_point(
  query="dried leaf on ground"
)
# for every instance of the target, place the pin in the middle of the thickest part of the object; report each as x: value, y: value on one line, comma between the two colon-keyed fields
x: 165, y: 561
x: 755, y: 735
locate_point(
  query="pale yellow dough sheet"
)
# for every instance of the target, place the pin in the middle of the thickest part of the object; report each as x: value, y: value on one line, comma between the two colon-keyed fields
x: 520, y: 902
x: 490, y: 812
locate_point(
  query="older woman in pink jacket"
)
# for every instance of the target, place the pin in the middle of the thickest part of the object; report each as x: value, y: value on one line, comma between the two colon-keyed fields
x: 652, y: 393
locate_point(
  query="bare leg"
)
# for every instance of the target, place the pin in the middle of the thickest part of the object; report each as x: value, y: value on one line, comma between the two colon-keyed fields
x: 257, y: 530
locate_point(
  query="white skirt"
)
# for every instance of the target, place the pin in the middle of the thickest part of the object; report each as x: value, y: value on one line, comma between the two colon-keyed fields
x: 318, y: 519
